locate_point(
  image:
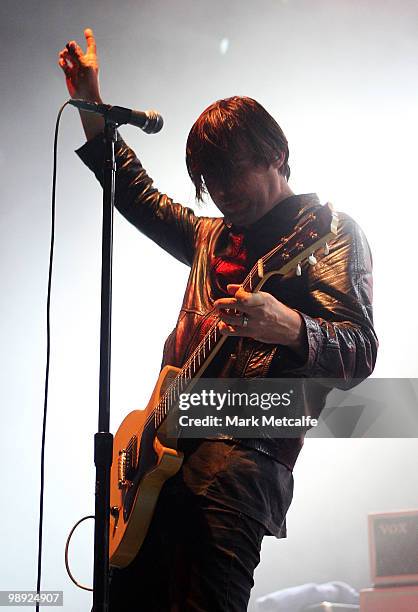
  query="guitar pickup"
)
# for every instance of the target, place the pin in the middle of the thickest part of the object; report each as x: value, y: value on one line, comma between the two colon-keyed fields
x: 128, y: 463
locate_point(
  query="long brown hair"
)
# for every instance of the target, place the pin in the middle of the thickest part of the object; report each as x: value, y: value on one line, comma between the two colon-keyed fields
x: 231, y: 130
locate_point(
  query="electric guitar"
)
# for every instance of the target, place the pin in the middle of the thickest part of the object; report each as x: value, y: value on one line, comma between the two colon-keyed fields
x: 141, y: 460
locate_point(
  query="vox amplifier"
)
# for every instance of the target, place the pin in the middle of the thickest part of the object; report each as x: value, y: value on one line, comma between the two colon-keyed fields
x: 393, y: 541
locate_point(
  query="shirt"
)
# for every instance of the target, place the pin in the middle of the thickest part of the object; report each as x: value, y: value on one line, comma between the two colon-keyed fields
x: 239, y: 478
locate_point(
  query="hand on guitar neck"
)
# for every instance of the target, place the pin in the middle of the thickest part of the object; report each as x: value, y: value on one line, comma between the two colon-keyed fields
x: 261, y: 316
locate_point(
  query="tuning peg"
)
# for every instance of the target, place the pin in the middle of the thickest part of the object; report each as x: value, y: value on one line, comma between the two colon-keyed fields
x: 312, y: 259
x: 326, y: 249
x: 298, y: 270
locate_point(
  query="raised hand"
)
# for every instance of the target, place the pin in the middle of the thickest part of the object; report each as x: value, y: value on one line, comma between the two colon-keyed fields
x: 81, y: 69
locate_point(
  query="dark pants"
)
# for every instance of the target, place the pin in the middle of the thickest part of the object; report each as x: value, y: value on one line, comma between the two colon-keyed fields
x: 198, y: 556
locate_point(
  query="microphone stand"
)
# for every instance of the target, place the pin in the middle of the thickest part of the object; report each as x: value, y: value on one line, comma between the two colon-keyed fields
x: 103, y: 440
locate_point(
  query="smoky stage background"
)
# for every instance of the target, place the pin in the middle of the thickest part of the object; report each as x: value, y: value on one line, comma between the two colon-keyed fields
x: 341, y: 78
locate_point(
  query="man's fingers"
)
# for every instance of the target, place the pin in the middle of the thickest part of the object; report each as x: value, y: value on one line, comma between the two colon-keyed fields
x: 242, y: 301
x: 75, y: 50
x: 237, y: 319
x: 232, y: 288
x: 230, y: 330
x: 63, y: 64
x: 243, y: 304
x: 253, y: 299
x: 66, y: 62
x: 65, y: 55
x: 245, y: 297
x: 225, y: 303
x: 91, y: 41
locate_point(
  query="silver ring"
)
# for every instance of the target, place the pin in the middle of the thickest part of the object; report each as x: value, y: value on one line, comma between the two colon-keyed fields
x: 244, y: 320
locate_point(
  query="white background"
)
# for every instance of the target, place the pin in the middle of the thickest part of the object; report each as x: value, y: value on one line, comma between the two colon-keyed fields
x: 341, y: 79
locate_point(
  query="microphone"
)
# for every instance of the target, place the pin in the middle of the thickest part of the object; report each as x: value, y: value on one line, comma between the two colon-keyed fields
x: 149, y: 121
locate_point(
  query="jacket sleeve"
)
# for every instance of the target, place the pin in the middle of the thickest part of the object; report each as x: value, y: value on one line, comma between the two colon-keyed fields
x: 342, y: 343
x: 172, y: 226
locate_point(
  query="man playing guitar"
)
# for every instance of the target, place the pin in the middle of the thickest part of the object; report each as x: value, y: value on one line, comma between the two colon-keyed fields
x: 204, y: 540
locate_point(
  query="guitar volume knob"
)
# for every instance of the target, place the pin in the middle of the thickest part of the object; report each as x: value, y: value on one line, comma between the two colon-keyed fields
x: 114, y: 511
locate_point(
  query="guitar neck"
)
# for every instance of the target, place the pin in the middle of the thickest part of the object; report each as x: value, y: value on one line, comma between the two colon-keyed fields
x: 201, y: 357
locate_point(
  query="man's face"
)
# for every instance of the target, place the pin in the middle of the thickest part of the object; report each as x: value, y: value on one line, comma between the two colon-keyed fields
x: 248, y: 194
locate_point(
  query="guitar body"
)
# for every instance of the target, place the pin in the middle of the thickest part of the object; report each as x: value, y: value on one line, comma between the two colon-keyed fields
x: 141, y: 464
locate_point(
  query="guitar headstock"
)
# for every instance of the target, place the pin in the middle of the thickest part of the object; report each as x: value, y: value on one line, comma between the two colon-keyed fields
x: 313, y: 232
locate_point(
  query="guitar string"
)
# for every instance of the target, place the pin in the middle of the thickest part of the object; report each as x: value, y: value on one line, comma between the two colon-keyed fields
x: 247, y: 282
x: 160, y: 411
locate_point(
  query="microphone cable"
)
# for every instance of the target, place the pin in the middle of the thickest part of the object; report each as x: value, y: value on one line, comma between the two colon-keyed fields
x: 48, y: 351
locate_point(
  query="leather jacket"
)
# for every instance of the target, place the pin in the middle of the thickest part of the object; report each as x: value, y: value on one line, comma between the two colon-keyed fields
x: 334, y: 297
